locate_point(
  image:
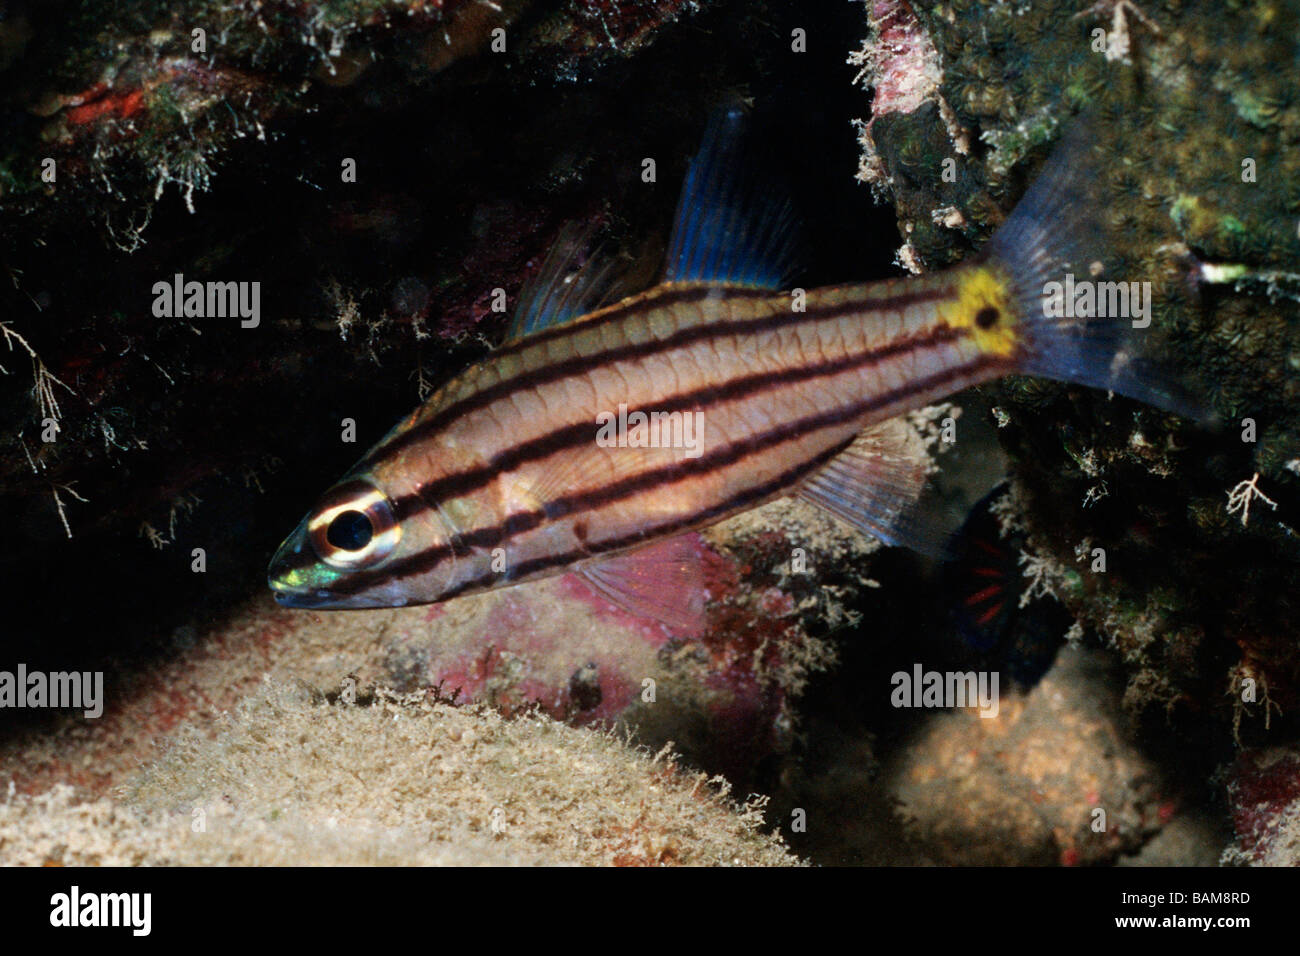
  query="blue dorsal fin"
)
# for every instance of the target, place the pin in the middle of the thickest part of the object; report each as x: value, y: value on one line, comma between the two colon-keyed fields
x: 571, y: 282
x: 731, y: 227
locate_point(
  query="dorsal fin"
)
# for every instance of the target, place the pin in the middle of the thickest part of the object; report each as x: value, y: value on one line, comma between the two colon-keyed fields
x: 731, y: 225
x: 573, y: 280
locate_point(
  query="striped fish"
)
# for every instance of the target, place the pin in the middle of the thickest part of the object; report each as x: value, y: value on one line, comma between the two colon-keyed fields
x: 536, y: 462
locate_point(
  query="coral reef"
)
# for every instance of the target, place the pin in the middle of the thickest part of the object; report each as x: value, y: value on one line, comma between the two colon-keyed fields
x: 398, y: 781
x: 1264, y: 794
x: 165, y: 452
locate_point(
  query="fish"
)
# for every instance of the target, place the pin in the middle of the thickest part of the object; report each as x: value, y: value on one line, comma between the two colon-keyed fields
x: 544, y: 458
x: 985, y: 591
x: 983, y: 577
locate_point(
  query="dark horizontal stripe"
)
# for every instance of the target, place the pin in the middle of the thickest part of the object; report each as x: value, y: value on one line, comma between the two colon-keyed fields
x: 469, y: 480
x: 737, y: 502
x: 666, y: 295
x: 495, y: 535
x: 582, y: 364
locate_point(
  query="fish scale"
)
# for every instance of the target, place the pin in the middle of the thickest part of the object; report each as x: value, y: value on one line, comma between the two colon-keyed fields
x: 576, y: 398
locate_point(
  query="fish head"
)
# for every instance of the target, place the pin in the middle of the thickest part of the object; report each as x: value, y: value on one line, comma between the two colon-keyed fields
x: 354, y: 550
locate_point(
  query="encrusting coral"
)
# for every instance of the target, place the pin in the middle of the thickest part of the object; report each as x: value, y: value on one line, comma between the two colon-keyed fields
x: 290, y: 780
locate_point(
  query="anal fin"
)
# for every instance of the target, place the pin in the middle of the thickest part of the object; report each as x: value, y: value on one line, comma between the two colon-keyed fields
x: 875, y: 485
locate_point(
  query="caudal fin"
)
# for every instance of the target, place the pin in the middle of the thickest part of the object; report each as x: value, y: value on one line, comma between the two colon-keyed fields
x: 1081, y: 320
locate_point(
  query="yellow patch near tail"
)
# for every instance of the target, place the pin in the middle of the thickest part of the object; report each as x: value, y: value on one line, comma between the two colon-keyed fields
x: 985, y: 307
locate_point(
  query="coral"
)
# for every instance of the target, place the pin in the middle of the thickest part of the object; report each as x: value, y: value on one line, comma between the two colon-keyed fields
x: 1024, y: 787
x: 1264, y: 794
x: 397, y: 781
x: 175, y: 435
x: 1056, y: 777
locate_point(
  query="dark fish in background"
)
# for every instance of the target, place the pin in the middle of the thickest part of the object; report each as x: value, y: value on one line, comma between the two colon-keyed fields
x: 984, y: 585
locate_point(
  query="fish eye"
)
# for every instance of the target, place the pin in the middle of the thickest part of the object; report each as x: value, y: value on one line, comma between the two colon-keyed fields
x: 350, y: 531
x: 353, y: 526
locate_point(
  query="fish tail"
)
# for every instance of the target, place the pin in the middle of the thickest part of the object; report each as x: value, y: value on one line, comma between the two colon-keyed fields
x: 1076, y: 318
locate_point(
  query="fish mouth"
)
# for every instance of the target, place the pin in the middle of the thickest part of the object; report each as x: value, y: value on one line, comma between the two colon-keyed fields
x: 286, y: 570
x: 310, y: 598
x: 278, y: 575
x: 281, y: 572
x: 285, y: 567
x: 293, y: 597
